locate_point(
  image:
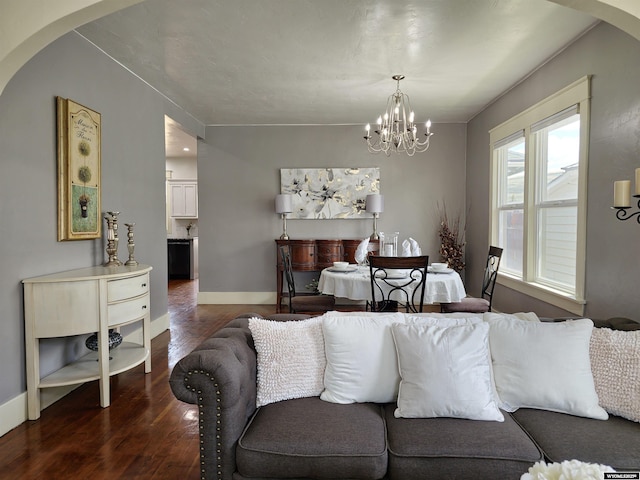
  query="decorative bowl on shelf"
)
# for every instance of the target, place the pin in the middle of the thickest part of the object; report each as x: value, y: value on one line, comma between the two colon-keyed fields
x: 115, y: 339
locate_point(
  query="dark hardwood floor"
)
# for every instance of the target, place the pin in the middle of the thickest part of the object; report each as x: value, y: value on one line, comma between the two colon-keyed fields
x: 146, y: 433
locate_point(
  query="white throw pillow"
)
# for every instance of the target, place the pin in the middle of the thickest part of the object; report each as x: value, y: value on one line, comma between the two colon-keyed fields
x: 361, y: 358
x: 290, y: 359
x: 529, y: 316
x: 544, y: 365
x: 443, y: 319
x: 615, y: 362
x: 445, y: 372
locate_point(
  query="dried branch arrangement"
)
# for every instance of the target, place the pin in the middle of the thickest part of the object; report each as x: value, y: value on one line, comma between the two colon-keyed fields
x: 452, y: 241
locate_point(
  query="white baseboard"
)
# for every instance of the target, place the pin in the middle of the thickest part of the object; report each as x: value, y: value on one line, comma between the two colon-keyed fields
x: 230, y: 298
x: 14, y: 412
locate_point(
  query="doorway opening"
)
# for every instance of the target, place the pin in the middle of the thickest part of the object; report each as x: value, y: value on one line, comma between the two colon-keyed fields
x: 181, y: 164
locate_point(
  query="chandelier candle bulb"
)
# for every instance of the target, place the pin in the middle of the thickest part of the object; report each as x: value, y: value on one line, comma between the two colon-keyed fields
x: 622, y: 193
x: 637, y: 181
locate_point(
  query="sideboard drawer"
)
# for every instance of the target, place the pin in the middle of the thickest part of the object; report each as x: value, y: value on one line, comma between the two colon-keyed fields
x: 303, y: 255
x: 328, y: 251
x: 128, y: 310
x: 127, y: 288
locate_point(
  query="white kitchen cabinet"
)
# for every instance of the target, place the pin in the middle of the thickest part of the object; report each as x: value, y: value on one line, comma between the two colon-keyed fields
x: 184, y: 198
x: 82, y: 302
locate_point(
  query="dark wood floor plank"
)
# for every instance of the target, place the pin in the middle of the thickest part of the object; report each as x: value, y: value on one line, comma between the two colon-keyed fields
x: 145, y: 434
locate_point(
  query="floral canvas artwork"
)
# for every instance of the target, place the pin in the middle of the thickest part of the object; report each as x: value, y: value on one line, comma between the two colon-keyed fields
x: 329, y: 193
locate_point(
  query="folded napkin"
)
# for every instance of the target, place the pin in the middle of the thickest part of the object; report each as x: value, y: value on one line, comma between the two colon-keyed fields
x: 361, y: 251
x: 416, y: 251
x: 406, y: 249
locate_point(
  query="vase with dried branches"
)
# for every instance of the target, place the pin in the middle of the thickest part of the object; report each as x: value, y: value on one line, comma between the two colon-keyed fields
x: 452, y: 239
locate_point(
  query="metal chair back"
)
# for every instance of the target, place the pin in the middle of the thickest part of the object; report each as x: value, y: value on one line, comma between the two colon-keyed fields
x: 491, y: 273
x: 398, y: 281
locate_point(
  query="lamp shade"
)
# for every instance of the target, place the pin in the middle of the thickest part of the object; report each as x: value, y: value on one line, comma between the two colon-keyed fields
x: 375, y: 203
x: 283, y: 203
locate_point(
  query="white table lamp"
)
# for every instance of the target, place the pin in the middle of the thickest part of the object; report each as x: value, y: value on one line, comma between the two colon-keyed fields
x: 284, y: 206
x: 375, y: 205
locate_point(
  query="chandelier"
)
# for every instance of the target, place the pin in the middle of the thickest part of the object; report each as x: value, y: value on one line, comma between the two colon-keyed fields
x: 396, y: 129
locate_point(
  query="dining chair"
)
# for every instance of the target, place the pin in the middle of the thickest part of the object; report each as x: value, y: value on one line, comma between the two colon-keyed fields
x: 398, y: 281
x: 305, y: 302
x: 484, y: 302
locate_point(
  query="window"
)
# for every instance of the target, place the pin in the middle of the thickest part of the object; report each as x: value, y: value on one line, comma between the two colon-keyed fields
x: 539, y: 165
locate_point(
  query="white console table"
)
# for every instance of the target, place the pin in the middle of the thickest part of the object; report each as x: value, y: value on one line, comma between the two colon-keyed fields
x: 86, y: 301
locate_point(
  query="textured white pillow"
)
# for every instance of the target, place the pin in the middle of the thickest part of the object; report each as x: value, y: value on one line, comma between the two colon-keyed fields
x: 290, y: 359
x: 445, y: 372
x: 361, y: 358
x: 544, y: 365
x: 615, y: 362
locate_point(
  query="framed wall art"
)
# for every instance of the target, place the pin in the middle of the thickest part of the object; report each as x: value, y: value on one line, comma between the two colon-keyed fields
x: 79, y: 176
x: 329, y: 193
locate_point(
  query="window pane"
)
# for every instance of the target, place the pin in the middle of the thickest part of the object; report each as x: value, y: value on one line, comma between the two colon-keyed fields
x: 511, y: 230
x: 557, y: 232
x: 557, y: 152
x: 512, y: 155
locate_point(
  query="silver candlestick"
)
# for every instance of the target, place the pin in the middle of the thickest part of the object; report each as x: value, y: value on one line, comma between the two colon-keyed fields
x: 112, y: 239
x: 130, y: 245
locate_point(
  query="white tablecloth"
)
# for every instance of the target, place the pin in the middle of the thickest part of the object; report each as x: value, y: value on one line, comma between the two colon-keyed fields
x: 356, y: 285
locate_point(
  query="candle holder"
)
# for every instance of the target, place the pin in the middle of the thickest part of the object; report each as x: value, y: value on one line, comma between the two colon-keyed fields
x: 623, y: 213
x: 112, y: 239
x: 130, y: 245
x: 622, y: 197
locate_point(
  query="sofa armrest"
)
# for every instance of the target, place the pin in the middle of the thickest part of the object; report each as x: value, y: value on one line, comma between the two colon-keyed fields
x: 219, y: 376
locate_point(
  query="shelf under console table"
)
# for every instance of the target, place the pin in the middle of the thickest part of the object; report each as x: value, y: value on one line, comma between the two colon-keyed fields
x: 309, y: 255
x: 86, y: 301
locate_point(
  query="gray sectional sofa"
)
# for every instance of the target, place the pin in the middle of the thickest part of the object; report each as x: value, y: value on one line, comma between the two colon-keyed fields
x: 308, y: 438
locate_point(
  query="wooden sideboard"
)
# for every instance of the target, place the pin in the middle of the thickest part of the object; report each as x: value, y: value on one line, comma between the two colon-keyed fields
x: 313, y: 255
x: 80, y: 302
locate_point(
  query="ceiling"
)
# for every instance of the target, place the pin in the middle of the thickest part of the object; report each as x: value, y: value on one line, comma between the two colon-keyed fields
x: 309, y: 62
x: 176, y: 140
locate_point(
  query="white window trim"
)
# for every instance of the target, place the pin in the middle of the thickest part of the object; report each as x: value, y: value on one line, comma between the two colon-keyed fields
x: 579, y: 92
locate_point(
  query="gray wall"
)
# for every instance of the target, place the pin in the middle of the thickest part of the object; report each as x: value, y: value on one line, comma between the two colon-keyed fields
x: 239, y: 177
x: 613, y: 247
x: 133, y: 182
x: 238, y: 171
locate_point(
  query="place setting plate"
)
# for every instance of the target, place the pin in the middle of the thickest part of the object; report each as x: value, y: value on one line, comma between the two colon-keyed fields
x: 430, y: 269
x: 392, y: 274
x: 349, y: 269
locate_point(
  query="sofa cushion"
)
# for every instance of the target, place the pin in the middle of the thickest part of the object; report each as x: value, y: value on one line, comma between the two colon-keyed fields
x: 310, y: 438
x: 614, y: 442
x: 457, y: 448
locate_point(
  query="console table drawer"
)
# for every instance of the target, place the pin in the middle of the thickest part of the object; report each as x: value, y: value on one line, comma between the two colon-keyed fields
x: 303, y: 255
x: 328, y: 251
x: 128, y: 310
x: 127, y: 288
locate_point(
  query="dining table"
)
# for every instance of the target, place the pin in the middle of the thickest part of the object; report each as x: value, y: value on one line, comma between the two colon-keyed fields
x: 354, y: 283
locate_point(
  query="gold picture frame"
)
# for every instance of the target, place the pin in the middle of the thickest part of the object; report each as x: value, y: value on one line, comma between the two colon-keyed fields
x: 79, y: 171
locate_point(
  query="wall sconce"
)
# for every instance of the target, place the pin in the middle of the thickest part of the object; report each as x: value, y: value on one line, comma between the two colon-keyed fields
x: 622, y: 198
x: 283, y: 206
x: 375, y: 205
